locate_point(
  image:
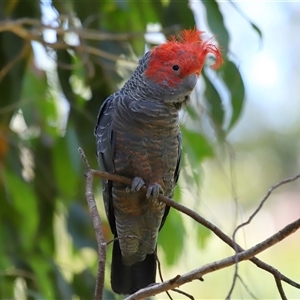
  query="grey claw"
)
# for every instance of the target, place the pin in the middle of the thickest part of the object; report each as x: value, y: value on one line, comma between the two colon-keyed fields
x: 136, y: 184
x: 153, y: 191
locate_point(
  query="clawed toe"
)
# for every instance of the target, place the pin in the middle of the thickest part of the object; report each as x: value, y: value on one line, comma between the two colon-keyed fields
x: 136, y: 184
x: 154, y: 190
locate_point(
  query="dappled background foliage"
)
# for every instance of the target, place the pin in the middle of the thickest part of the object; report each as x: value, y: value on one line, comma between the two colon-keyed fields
x: 48, y: 108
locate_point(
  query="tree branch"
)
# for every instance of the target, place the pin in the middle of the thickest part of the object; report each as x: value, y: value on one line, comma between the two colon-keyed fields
x: 24, y: 51
x: 262, y: 202
x: 97, y: 227
x: 18, y: 27
x: 198, y: 273
x: 214, y: 266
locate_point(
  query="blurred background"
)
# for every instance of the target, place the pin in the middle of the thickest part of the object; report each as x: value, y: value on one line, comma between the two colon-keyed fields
x: 59, y: 61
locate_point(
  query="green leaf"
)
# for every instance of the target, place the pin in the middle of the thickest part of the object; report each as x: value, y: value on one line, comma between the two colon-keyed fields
x: 40, y: 108
x: 171, y: 237
x: 177, y: 193
x: 63, y: 288
x: 234, y: 83
x: 246, y: 18
x: 178, y: 12
x: 11, y: 83
x: 192, y: 112
x: 216, y: 23
x: 196, y: 145
x: 215, y: 105
x: 73, y: 145
x: 24, y: 202
x: 35, y: 85
x: 66, y: 164
x: 143, y: 12
x: 14, y: 52
x: 83, y: 283
x: 7, y: 287
x: 80, y: 227
x: 85, y: 10
x: 43, y: 272
x: 64, y: 72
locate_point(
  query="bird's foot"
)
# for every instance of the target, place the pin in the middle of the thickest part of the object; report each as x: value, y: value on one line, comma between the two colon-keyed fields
x: 136, y: 184
x: 153, y: 191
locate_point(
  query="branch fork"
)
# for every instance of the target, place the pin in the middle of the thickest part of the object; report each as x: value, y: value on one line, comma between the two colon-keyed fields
x: 240, y: 255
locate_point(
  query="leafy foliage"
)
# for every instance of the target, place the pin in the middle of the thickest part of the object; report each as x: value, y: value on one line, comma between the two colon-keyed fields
x: 41, y: 176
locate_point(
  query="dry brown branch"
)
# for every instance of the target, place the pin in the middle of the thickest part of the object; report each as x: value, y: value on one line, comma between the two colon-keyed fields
x: 198, y: 273
x: 247, y: 288
x: 18, y: 273
x: 262, y: 202
x: 206, y: 224
x: 183, y: 293
x: 18, y: 27
x: 35, y: 33
x: 11, y: 64
x: 97, y: 227
x: 211, y: 267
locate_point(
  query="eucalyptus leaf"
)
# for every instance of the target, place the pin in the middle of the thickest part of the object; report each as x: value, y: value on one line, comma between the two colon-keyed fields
x: 196, y: 143
x: 216, y: 23
x: 64, y: 71
x: 64, y: 167
x: 215, y: 106
x: 80, y: 227
x: 178, y: 12
x: 171, y: 237
x: 246, y: 18
x: 235, y: 85
x: 21, y: 192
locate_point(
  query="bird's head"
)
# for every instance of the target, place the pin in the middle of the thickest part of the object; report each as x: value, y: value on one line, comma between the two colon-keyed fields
x: 176, y: 64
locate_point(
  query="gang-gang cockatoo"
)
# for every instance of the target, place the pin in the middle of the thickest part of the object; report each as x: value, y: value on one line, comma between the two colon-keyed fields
x: 138, y: 136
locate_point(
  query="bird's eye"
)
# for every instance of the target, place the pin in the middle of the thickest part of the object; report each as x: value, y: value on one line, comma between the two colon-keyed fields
x: 175, y: 67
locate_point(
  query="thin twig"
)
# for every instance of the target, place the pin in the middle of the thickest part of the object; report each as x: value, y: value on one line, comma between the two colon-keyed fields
x: 160, y: 271
x: 97, y: 227
x: 214, y: 266
x: 280, y: 289
x: 274, y: 187
x: 12, y: 63
x: 18, y: 273
x: 198, y: 273
x: 192, y: 214
x: 183, y: 293
x: 262, y: 202
x: 16, y: 26
x: 246, y: 287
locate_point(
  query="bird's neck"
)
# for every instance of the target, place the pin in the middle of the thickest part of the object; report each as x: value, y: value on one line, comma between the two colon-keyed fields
x: 148, y: 113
